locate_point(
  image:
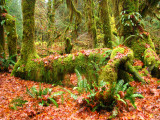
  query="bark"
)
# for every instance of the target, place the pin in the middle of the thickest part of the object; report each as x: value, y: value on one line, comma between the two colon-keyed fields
x: 103, y: 5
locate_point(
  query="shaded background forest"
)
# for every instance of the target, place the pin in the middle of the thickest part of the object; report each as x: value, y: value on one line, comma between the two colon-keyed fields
x: 62, y: 26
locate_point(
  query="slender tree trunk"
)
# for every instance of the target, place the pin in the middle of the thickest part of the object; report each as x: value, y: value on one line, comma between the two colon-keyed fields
x: 116, y: 10
x: 106, y: 23
x: 2, y: 41
x: 10, y: 26
x: 91, y: 22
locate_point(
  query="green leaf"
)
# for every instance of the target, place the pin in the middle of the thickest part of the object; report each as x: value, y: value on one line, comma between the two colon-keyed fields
x: 2, y: 22
x: 57, y: 93
x: 94, y: 109
x: 118, y: 86
x: 121, y: 99
x: 54, y: 102
x: 28, y: 92
x: 125, y: 87
x: 137, y: 95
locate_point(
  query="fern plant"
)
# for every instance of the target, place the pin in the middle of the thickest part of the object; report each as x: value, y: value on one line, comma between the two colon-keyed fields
x: 121, y: 40
x: 18, y: 101
x: 129, y: 93
x: 44, y: 95
x: 5, y: 63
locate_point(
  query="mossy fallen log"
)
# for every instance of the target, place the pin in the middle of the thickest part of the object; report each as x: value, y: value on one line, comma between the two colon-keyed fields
x: 52, y: 69
x: 121, y: 60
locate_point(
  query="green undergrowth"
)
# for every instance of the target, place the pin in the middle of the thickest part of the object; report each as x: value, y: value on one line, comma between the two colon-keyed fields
x: 44, y: 96
x: 100, y: 96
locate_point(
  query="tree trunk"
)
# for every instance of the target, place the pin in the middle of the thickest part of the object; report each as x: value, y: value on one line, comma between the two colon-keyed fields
x: 12, y: 36
x: 91, y: 22
x: 2, y: 41
x: 103, y: 4
x: 28, y: 51
x: 10, y: 26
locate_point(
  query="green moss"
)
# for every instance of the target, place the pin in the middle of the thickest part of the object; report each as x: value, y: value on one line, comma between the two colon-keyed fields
x: 144, y: 72
x: 118, y: 58
x: 125, y: 76
x: 11, y: 35
x: 2, y: 40
x: 104, y: 10
x: 138, y: 67
x: 150, y: 57
x: 68, y: 46
x: 117, y: 50
x: 109, y: 74
x: 152, y: 60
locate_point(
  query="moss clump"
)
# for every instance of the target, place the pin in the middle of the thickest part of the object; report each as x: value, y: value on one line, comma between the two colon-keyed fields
x: 119, y: 57
x: 109, y: 74
x: 52, y: 69
x: 152, y: 60
x: 68, y: 46
x: 150, y: 57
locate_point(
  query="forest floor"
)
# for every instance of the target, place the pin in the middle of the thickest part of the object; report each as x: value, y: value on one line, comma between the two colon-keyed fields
x: 148, y: 108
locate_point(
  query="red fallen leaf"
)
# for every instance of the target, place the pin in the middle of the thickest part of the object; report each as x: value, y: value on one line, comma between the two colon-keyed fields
x: 154, y: 91
x: 30, y: 112
x: 138, y: 63
x: 121, y: 93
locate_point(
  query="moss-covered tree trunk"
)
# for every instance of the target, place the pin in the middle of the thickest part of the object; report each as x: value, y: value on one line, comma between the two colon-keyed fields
x: 78, y: 17
x: 8, y: 23
x: 51, y: 19
x: 10, y: 26
x: 103, y: 5
x: 28, y: 51
x: 117, y: 6
x: 91, y: 22
x: 2, y: 40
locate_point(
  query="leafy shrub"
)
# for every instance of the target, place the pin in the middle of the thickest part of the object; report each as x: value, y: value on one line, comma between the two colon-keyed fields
x: 18, y: 101
x: 44, y: 95
x: 102, y: 97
